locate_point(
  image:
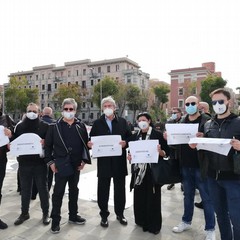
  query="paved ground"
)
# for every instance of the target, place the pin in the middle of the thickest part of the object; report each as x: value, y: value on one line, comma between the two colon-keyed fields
x: 33, y: 229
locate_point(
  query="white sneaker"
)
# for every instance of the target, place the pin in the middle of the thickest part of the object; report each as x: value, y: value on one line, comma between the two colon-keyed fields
x: 181, y: 227
x: 210, y: 235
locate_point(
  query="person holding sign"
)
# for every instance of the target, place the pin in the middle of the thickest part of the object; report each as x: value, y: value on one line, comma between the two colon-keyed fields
x: 147, y: 194
x: 114, y: 166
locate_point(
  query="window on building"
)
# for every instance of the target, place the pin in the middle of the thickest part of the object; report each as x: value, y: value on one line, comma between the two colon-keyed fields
x: 61, y: 74
x: 129, y: 79
x: 84, y: 72
x: 108, y: 68
x: 180, y: 78
x: 76, y: 72
x: 42, y: 95
x: 42, y: 106
x: 43, y: 87
x: 91, y: 104
x: 92, y: 82
x: 99, y: 69
x: 194, y: 91
x: 180, y: 91
x: 180, y: 103
x: 30, y: 78
x: 69, y: 83
x: 83, y: 84
x: 49, y: 75
x: 83, y: 115
x: 49, y: 88
x: 76, y: 82
x: 42, y: 76
x: 91, y: 115
x: 55, y: 85
x: 36, y: 77
x: 36, y: 86
x: 84, y: 105
x: 117, y: 68
x: 69, y: 73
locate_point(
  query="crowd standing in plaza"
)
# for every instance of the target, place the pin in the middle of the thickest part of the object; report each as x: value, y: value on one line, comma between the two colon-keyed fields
x: 66, y: 144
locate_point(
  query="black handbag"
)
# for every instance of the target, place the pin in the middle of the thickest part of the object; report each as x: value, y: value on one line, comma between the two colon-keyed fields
x: 166, y: 171
x: 64, y: 166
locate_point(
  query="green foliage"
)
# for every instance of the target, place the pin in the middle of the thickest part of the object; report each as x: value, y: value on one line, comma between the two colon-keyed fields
x: 17, y: 97
x: 211, y: 83
x: 106, y: 87
x: 67, y: 91
x: 161, y: 92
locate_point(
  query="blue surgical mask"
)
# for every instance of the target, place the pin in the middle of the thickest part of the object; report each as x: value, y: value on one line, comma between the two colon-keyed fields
x: 174, y: 116
x: 191, y: 110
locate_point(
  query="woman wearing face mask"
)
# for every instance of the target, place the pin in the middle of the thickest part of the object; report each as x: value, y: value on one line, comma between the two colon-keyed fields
x: 147, y: 195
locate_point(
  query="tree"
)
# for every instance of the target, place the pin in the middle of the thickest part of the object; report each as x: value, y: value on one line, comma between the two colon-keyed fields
x: 161, y: 92
x: 211, y: 83
x: 67, y: 91
x: 106, y: 87
x: 17, y: 96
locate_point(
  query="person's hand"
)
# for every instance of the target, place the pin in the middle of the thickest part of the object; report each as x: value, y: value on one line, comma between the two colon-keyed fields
x: 80, y: 167
x: 161, y: 152
x: 194, y: 145
x: 90, y: 144
x: 7, y: 132
x: 42, y: 141
x: 199, y: 134
x: 235, y: 144
x: 129, y: 157
x: 165, y: 135
x: 53, y: 168
x: 123, y: 143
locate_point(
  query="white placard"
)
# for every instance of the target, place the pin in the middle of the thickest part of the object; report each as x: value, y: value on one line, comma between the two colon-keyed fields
x: 3, y: 138
x: 26, y: 144
x: 180, y: 133
x: 106, y: 146
x: 144, y: 151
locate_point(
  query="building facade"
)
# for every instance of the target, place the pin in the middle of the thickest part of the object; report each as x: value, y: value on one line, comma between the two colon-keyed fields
x: 187, y: 82
x: 85, y: 73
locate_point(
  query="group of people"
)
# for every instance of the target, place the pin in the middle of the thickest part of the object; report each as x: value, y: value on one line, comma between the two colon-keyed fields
x: 66, y: 144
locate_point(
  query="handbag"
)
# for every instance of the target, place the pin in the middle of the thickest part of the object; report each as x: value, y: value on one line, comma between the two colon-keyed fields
x: 166, y: 171
x: 64, y: 166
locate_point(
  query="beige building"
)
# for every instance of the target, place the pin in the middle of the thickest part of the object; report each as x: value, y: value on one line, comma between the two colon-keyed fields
x: 85, y: 73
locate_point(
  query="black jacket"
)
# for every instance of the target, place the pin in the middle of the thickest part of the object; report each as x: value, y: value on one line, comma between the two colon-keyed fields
x: 117, y: 165
x: 31, y: 126
x: 220, y: 166
x: 54, y: 146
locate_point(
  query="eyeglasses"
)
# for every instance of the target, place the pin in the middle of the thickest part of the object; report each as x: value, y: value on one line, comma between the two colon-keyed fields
x: 66, y: 109
x: 32, y: 111
x: 192, y: 103
x: 218, y: 101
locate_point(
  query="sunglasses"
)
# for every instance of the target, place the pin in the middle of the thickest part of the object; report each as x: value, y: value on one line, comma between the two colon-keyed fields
x: 192, y: 103
x: 32, y: 111
x: 175, y: 112
x: 218, y: 101
x: 68, y: 109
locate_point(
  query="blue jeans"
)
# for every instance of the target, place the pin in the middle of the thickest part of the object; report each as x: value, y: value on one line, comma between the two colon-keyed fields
x: 226, y: 200
x: 192, y: 180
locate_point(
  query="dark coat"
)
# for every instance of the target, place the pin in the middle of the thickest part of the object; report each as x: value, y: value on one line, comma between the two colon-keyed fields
x: 54, y: 146
x: 117, y: 165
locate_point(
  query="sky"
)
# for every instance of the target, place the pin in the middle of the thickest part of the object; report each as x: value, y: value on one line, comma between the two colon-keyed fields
x: 160, y: 35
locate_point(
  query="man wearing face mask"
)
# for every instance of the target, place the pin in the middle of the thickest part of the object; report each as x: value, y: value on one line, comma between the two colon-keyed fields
x: 175, y: 118
x: 111, y: 167
x: 191, y: 177
x: 32, y: 166
x: 66, y: 153
x: 224, y: 171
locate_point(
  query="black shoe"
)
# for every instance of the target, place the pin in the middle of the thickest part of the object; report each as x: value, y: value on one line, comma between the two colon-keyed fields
x: 3, y: 225
x: 104, y: 222
x: 170, y: 186
x: 55, y: 228
x: 199, y: 205
x: 122, y: 220
x: 21, y: 219
x: 46, y: 219
x: 33, y: 197
x: 77, y: 220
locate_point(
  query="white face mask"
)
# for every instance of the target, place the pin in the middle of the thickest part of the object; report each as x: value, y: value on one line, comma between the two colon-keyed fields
x: 32, y: 115
x: 219, y: 108
x: 108, y: 112
x: 68, y: 115
x: 143, y: 125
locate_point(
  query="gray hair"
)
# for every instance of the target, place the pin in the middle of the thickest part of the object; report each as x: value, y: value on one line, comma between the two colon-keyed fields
x: 70, y: 101
x: 108, y: 99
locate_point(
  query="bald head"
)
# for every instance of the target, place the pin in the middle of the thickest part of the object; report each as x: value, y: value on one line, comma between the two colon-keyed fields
x: 47, y: 111
x: 192, y: 99
x: 204, y: 107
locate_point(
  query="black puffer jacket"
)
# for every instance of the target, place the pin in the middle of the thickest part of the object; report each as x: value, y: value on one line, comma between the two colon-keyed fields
x: 220, y: 166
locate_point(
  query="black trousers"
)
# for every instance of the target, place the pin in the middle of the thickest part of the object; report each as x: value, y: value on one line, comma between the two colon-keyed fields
x: 58, y: 193
x: 3, y: 164
x: 37, y: 173
x: 119, y: 195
